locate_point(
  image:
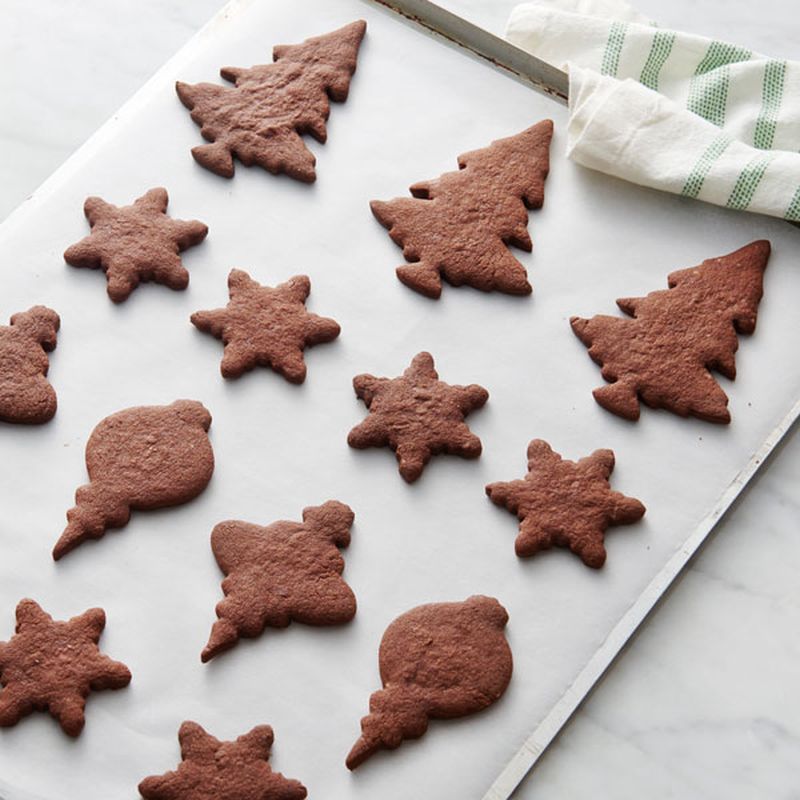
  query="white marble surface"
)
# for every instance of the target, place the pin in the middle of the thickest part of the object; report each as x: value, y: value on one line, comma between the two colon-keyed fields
x: 706, y: 702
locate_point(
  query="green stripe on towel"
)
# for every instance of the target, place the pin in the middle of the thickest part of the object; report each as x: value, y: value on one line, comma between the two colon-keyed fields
x: 748, y: 182
x: 659, y: 53
x: 708, y: 89
x: 616, y: 39
x: 793, y: 212
x: 694, y: 183
x: 771, y: 96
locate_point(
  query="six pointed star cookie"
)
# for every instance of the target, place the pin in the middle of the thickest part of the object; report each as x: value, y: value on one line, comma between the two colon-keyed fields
x: 417, y: 415
x: 136, y: 243
x: 53, y: 665
x: 266, y: 326
x: 286, y: 571
x: 211, y: 769
x: 565, y: 503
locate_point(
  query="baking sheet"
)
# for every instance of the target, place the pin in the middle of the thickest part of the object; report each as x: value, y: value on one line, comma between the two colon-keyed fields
x: 414, y: 105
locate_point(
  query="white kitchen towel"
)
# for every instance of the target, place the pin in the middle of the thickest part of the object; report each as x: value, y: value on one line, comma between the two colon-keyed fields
x: 671, y: 110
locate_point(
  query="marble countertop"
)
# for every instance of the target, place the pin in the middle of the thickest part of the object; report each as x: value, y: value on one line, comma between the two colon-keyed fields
x: 705, y: 701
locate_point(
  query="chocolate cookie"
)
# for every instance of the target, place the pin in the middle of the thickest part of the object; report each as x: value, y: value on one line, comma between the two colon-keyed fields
x: 437, y: 661
x: 266, y: 326
x: 140, y: 458
x: 262, y: 120
x: 286, y: 571
x: 25, y: 393
x: 214, y: 770
x: 663, y: 356
x: 417, y: 415
x: 49, y: 665
x: 136, y: 243
x: 459, y: 226
x: 565, y: 503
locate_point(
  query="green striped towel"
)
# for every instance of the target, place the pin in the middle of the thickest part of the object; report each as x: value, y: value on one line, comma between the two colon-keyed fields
x: 671, y: 110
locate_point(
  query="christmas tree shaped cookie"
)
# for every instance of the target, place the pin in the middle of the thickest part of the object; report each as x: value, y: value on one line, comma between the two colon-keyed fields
x: 26, y: 395
x: 209, y: 769
x: 664, y: 354
x: 437, y: 661
x: 49, y: 665
x: 266, y: 326
x: 459, y: 226
x: 136, y: 243
x: 262, y: 119
x: 417, y: 415
x: 286, y: 571
x: 565, y: 503
x: 139, y: 458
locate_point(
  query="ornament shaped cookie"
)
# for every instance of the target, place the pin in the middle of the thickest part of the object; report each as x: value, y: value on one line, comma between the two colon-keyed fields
x: 665, y: 354
x: 26, y: 395
x: 437, y: 661
x: 565, y: 503
x: 266, y: 326
x: 136, y: 243
x: 139, y: 458
x: 417, y: 416
x: 262, y: 119
x: 459, y: 226
x: 214, y: 770
x: 283, y: 572
x: 50, y: 665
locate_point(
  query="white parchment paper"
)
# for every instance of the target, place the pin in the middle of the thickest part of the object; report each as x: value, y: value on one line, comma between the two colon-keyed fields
x: 415, y: 104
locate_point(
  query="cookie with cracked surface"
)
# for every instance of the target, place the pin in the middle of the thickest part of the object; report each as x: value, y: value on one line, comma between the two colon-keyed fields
x: 211, y: 769
x: 136, y: 243
x: 565, y: 503
x: 417, y: 416
x: 266, y: 326
x: 262, y: 118
x: 140, y: 458
x: 437, y: 661
x: 460, y: 225
x: 50, y: 665
x: 663, y: 354
x: 287, y: 571
x: 26, y: 396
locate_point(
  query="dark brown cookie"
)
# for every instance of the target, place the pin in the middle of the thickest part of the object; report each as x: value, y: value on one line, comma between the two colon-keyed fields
x: 565, y: 503
x: 266, y: 326
x: 417, y: 415
x: 25, y: 393
x: 663, y: 356
x: 286, y: 571
x: 214, y: 770
x: 437, y: 661
x: 459, y: 226
x: 136, y: 243
x: 262, y: 120
x: 49, y: 665
x: 139, y: 458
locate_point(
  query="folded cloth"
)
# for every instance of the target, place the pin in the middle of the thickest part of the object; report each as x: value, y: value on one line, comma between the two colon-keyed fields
x: 671, y: 110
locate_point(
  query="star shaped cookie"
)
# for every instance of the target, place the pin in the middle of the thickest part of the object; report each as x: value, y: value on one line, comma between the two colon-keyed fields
x: 565, y: 503
x: 136, y: 243
x: 211, y: 770
x: 286, y: 571
x: 266, y: 326
x: 417, y: 415
x: 49, y: 665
